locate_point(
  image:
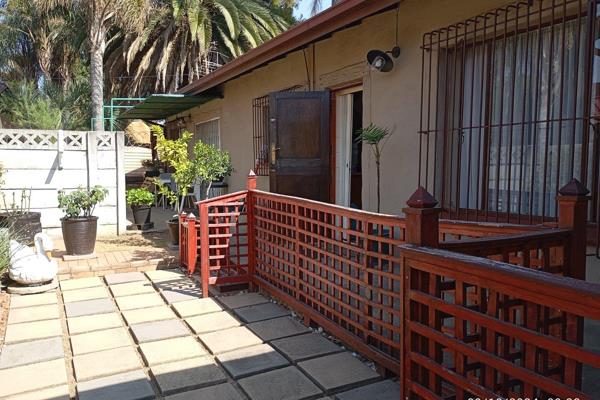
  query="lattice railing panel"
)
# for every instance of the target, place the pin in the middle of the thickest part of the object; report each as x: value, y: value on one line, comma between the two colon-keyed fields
x: 482, y: 329
x: 339, y: 266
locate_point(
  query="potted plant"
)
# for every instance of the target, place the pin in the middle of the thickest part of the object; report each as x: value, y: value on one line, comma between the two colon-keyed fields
x: 175, y: 153
x: 212, y: 164
x: 79, y: 226
x: 140, y: 200
x: 17, y: 211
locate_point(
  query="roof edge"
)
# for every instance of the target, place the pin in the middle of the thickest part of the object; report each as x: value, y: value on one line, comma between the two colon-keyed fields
x: 306, y: 32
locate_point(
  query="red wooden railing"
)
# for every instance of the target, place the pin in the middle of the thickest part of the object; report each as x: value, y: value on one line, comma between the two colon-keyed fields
x: 485, y: 329
x: 343, y: 269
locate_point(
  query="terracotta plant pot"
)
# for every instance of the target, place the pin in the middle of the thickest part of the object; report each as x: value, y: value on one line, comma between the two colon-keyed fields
x: 28, y: 224
x: 79, y: 235
x: 173, y: 226
x: 141, y: 214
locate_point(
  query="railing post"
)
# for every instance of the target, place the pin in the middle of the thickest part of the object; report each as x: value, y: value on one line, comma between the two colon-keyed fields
x: 191, y: 243
x: 422, y: 229
x: 182, y: 254
x: 422, y: 219
x: 204, y: 248
x: 572, y: 214
x: 250, y: 186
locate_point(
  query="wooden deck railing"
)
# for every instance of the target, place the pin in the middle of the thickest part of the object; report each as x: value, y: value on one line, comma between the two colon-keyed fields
x: 480, y: 328
x: 346, y: 270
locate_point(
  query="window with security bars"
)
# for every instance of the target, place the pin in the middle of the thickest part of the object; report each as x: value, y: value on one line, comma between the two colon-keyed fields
x: 208, y: 132
x: 260, y: 131
x: 508, y: 110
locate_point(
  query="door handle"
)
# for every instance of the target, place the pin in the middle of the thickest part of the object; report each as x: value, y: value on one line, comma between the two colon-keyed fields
x: 274, y: 151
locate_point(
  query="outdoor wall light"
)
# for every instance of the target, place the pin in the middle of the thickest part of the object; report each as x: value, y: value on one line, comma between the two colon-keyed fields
x: 381, y: 61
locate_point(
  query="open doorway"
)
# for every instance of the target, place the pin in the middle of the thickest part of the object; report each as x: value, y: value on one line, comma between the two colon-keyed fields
x: 348, y: 151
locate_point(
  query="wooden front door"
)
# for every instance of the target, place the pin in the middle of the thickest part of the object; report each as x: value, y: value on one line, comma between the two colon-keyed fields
x: 299, y: 148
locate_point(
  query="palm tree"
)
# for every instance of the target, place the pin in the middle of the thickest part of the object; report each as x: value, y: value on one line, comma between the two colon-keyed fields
x: 183, y: 37
x: 100, y: 16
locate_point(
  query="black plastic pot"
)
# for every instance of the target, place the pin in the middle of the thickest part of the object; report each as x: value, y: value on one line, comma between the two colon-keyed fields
x: 141, y: 214
x: 79, y: 235
x: 28, y: 224
x: 173, y: 226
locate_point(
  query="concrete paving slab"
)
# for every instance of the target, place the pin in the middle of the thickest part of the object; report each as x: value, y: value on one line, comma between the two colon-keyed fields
x: 141, y: 315
x: 212, y: 322
x: 158, y: 330
x: 32, y: 330
x: 278, y: 328
x: 90, y: 307
x: 106, y: 362
x: 281, y: 384
x: 225, y: 391
x: 98, y: 292
x: 338, y: 371
x: 55, y: 393
x: 139, y: 301
x: 187, y: 374
x: 13, y: 355
x: 169, y: 350
x: 31, y: 300
x: 133, y: 385
x: 72, y: 284
x: 175, y: 295
x: 131, y: 288
x: 242, y: 300
x: 229, y: 339
x: 164, y: 275
x: 260, y: 312
x: 30, y: 314
x: 384, y: 390
x: 197, y: 307
x: 311, y: 345
x: 32, y: 377
x: 251, y: 360
x: 100, y: 340
x: 89, y: 323
x: 125, y: 277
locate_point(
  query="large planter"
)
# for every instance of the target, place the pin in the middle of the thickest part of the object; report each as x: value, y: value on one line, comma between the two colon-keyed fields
x: 28, y: 224
x: 173, y: 226
x: 79, y: 235
x: 141, y: 214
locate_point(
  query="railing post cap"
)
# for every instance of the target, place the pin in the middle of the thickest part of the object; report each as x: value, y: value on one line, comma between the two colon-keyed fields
x: 574, y: 188
x: 421, y: 198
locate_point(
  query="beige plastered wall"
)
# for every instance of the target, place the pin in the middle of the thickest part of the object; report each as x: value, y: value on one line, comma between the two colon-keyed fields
x: 390, y: 99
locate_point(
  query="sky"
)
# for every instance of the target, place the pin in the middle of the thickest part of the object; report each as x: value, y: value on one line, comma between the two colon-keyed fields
x: 304, y: 6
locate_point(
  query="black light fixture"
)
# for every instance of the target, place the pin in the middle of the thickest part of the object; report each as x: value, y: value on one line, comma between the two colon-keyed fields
x: 381, y: 61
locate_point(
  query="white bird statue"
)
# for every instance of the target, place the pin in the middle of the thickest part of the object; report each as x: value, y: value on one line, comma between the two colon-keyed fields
x: 31, y: 268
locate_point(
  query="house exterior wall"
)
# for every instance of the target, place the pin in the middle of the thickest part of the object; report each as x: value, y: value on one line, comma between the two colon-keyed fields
x: 390, y: 100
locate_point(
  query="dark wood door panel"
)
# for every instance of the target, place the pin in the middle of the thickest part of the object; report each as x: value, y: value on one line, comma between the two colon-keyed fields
x: 300, y: 164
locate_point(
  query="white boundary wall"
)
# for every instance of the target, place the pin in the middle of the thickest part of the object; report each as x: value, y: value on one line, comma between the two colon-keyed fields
x: 47, y: 161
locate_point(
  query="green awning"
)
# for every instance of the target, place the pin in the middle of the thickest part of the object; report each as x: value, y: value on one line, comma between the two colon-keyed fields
x: 161, y: 106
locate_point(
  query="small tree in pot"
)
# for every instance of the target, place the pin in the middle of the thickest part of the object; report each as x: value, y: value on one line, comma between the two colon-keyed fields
x: 140, y: 200
x: 79, y: 226
x: 211, y: 164
x: 16, y: 210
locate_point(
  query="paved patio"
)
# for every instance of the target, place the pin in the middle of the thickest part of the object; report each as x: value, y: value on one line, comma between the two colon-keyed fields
x: 149, y: 335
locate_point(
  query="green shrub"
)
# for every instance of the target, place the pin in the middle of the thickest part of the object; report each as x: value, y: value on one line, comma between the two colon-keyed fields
x: 140, y: 197
x: 81, y: 202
